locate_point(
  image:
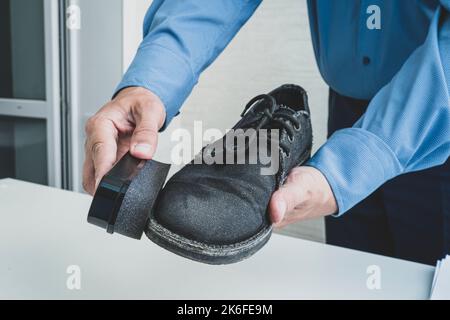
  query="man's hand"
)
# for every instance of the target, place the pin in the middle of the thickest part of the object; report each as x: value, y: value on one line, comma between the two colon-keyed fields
x: 306, y: 194
x: 130, y: 122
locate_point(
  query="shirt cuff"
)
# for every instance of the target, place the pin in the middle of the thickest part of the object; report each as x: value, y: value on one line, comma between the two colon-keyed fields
x: 355, y: 162
x: 164, y: 73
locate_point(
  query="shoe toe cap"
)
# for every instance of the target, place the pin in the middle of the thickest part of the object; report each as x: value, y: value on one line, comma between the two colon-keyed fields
x: 212, y: 212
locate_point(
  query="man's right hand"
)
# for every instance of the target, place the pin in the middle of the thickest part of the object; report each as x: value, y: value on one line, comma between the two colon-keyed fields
x: 130, y: 122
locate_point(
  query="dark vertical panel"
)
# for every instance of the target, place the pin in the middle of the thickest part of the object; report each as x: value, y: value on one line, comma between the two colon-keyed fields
x: 7, y: 150
x: 5, y: 50
x: 23, y: 149
x: 30, y: 142
x: 28, y: 49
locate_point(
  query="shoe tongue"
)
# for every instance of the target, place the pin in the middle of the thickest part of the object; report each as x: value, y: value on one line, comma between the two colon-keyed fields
x: 252, y: 117
x: 285, y: 110
x: 282, y: 109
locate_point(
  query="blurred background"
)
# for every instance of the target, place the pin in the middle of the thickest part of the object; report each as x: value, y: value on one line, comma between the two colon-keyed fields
x: 60, y: 61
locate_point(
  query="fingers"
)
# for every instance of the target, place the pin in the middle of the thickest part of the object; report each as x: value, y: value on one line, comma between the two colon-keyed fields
x: 145, y: 136
x: 289, y: 198
x: 101, y: 151
x: 305, y: 195
x: 283, y: 201
x: 88, y: 176
x: 128, y: 123
x: 104, y: 158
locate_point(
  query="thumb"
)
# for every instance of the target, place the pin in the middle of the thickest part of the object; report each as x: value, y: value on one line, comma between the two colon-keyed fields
x: 284, y: 200
x: 145, y: 136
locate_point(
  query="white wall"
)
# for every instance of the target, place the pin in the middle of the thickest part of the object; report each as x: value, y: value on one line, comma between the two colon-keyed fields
x: 272, y: 49
x: 133, y: 15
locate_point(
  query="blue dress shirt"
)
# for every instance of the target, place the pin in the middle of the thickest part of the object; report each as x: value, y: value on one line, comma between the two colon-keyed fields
x: 400, y: 61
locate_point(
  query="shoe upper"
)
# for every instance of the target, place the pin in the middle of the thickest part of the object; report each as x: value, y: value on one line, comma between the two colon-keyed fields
x: 224, y: 204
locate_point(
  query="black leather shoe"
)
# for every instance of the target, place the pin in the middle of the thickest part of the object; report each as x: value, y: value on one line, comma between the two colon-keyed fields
x: 217, y: 213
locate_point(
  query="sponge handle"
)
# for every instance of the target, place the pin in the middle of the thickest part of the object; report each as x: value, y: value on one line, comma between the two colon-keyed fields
x: 126, y: 195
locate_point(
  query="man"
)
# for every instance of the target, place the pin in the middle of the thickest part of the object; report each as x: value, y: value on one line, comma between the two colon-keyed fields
x: 388, y: 66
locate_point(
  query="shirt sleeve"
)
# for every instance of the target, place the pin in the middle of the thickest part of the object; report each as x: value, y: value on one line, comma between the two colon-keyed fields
x: 406, y: 127
x: 181, y: 39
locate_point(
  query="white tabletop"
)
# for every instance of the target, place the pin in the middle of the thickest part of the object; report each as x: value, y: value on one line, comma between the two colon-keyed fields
x: 43, y: 231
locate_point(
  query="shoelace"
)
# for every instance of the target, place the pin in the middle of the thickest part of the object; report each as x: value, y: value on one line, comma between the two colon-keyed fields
x: 286, y: 121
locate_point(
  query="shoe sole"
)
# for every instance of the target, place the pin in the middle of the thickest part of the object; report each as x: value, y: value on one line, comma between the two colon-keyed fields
x: 206, y: 253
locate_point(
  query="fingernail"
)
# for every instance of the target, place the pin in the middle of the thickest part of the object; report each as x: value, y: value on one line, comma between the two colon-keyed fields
x: 277, y: 225
x: 97, y: 183
x: 282, y: 209
x: 143, y: 148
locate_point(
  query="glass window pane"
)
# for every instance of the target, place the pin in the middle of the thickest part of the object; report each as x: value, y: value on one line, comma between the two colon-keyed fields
x: 23, y: 149
x: 22, y: 49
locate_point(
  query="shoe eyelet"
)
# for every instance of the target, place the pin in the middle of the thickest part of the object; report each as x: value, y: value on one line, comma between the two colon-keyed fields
x: 291, y: 139
x: 298, y: 128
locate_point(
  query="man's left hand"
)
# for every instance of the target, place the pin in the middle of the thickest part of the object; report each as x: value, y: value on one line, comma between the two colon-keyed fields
x: 306, y: 194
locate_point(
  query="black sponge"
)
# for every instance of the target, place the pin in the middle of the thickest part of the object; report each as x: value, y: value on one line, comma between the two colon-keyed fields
x: 126, y: 195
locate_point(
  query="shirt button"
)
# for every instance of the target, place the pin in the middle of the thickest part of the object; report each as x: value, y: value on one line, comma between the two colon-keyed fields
x: 366, y: 60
